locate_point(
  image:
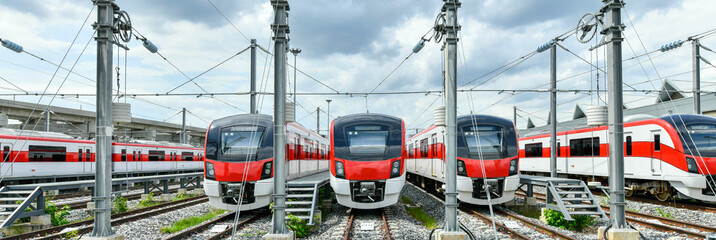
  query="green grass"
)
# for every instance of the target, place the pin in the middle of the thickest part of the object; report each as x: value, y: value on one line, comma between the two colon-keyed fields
x: 406, y: 200
x: 182, y: 196
x: 191, y: 221
x: 423, y: 217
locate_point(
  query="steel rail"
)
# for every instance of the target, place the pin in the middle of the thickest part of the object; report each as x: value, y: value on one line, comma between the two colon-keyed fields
x: 349, y: 226
x: 195, y: 229
x: 539, y: 227
x: 229, y: 230
x: 386, y: 228
x: 53, y: 232
x: 500, y: 227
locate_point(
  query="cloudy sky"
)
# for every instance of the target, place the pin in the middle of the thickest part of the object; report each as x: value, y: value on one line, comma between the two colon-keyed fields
x: 350, y: 46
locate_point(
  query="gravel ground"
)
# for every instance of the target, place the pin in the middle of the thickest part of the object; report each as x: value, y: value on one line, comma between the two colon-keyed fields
x: 148, y: 228
x: 243, y: 216
x: 704, y: 218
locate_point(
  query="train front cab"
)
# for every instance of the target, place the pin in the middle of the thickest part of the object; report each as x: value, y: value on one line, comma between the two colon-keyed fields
x: 367, y: 160
x: 697, y: 135
x: 495, y: 141
x: 239, y: 153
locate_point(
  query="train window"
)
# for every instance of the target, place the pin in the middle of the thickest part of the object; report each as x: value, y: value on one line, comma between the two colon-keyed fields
x: 139, y: 156
x: 584, y: 147
x: 124, y: 155
x: 187, y: 156
x: 367, y: 139
x: 435, y: 144
x: 533, y: 150
x: 240, y: 140
x: 410, y: 150
x: 424, y: 148
x: 657, y: 142
x: 88, y: 155
x: 483, y: 139
x: 134, y: 155
x: 48, y: 153
x: 156, y: 155
x: 79, y: 155
x: 628, y: 146
x: 6, y: 153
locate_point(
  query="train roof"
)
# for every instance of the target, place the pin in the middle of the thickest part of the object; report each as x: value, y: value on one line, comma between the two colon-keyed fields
x: 260, y: 119
x: 29, y: 133
x: 466, y: 119
x: 674, y: 120
x: 374, y: 117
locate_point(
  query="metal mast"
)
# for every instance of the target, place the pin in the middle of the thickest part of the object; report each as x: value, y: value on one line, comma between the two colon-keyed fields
x: 280, y: 29
x: 318, y: 120
x: 47, y: 120
x: 253, y: 77
x: 696, y: 75
x: 183, y: 125
x: 295, y: 52
x: 514, y: 116
x: 103, y: 177
x: 328, y: 118
x: 451, y: 28
x: 613, y: 31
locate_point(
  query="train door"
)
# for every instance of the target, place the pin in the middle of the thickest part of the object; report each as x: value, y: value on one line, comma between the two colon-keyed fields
x: 656, y: 153
x: 6, y: 157
x: 87, y: 163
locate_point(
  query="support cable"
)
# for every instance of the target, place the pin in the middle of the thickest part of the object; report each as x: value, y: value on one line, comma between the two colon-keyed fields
x: 208, y: 70
x: 227, y: 19
x: 23, y: 90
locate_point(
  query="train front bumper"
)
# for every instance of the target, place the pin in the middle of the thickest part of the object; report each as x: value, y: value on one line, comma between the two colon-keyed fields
x: 257, y: 197
x: 470, y: 190
x: 387, y: 192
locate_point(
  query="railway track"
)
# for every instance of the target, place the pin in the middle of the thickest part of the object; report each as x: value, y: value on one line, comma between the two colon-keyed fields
x: 224, y: 219
x: 364, y: 225
x: 117, y: 219
x: 661, y: 223
x: 134, y: 196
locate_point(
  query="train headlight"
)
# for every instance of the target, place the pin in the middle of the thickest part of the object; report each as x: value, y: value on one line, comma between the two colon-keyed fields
x: 461, y: 168
x: 395, y: 169
x: 210, y: 171
x: 691, y: 165
x: 513, y: 167
x: 340, y: 172
x: 266, y: 170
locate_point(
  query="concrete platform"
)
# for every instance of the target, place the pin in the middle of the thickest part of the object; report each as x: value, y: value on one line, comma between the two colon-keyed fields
x: 318, y: 178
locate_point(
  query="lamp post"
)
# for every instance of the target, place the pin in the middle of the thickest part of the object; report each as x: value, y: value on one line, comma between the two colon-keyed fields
x: 295, y: 52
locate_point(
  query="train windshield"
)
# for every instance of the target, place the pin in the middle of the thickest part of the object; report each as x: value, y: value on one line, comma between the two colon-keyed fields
x: 701, y: 137
x: 240, y: 141
x: 486, y: 140
x: 367, y: 139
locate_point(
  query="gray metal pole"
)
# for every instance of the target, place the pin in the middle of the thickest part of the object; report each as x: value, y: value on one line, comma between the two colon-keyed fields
x: 183, y: 125
x: 696, y: 75
x: 450, y: 7
x: 514, y: 116
x: 280, y: 28
x: 552, y: 115
x: 103, y: 136
x: 253, y: 76
x: 616, y: 118
x: 328, y: 118
x: 318, y: 120
x: 295, y: 52
x: 47, y: 120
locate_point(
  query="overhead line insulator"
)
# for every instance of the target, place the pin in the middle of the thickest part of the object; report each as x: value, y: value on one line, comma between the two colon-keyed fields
x: 419, y: 46
x: 12, y: 46
x: 546, y: 46
x: 670, y: 46
x: 150, y: 46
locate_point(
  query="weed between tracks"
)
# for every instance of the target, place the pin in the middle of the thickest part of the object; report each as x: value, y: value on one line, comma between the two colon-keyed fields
x: 191, y: 221
x: 419, y: 214
x: 555, y: 218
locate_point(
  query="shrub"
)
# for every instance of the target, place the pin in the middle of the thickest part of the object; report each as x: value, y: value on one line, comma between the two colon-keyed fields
x: 182, y: 196
x: 148, y: 201
x: 119, y: 205
x: 664, y: 213
x: 57, y: 215
x: 555, y: 218
x: 298, y: 226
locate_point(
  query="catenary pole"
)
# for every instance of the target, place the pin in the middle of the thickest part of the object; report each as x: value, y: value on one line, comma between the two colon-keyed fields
x: 552, y: 115
x: 103, y: 142
x: 696, y: 75
x: 183, y: 125
x: 450, y: 8
x: 614, y: 39
x: 280, y: 29
x: 253, y: 77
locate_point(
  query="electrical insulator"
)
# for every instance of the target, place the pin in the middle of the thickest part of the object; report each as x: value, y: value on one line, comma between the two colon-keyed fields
x: 419, y: 46
x: 545, y: 46
x: 12, y: 46
x: 670, y: 46
x: 150, y: 46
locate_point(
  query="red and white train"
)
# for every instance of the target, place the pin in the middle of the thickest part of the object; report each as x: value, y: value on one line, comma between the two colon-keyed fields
x: 486, y: 154
x: 668, y: 156
x: 367, y: 160
x: 41, y: 155
x: 239, y: 154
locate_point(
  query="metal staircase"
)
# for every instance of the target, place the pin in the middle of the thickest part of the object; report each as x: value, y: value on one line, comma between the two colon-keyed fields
x: 573, y: 197
x: 14, y: 200
x: 570, y: 196
x: 302, y: 200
